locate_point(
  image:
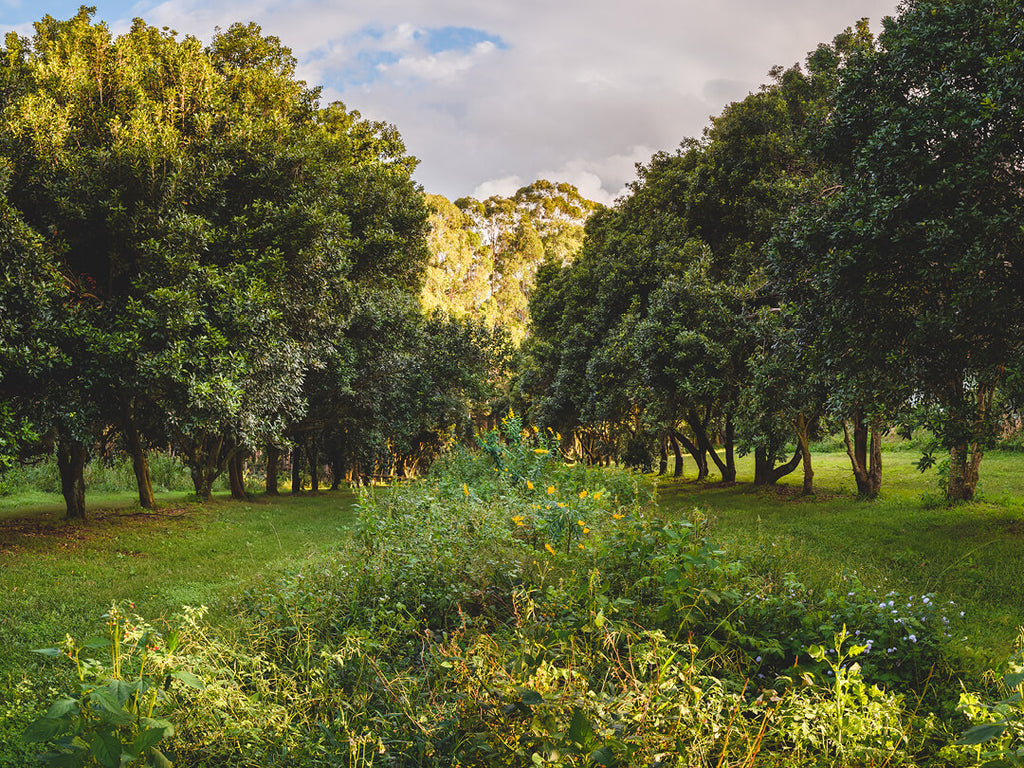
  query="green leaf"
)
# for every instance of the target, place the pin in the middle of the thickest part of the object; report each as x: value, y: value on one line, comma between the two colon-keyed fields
x: 62, y: 707
x: 979, y: 734
x: 188, y: 679
x: 604, y: 757
x: 106, y: 748
x: 148, y: 738
x: 157, y: 759
x: 43, y: 729
x: 64, y: 759
x: 1014, y: 679
x: 121, y: 690
x: 530, y: 698
x: 54, y: 652
x: 110, y: 708
x: 97, y: 642
x: 165, y: 725
x: 580, y: 731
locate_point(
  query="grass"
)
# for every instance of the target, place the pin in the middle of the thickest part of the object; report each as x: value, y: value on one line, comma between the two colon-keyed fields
x: 905, y: 540
x: 60, y: 577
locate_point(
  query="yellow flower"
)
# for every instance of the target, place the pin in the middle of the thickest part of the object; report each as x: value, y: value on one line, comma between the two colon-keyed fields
x: 580, y: 523
x: 518, y: 520
x: 529, y: 484
x: 561, y: 505
x: 586, y: 530
x: 541, y: 451
x: 581, y: 546
x: 549, y: 548
x: 597, y: 495
x: 465, y: 489
x: 535, y: 430
x: 551, y: 490
x: 617, y: 515
x: 583, y: 494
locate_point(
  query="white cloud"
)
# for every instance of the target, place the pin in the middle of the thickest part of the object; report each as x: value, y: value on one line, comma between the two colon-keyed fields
x: 576, y: 90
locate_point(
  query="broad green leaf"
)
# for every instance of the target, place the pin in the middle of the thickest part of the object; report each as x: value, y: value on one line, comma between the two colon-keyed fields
x: 61, y: 707
x: 580, y: 731
x: 97, y: 642
x: 148, y: 738
x: 188, y: 679
x: 54, y: 652
x: 979, y: 734
x: 43, y: 729
x: 1014, y: 679
x: 530, y: 698
x: 106, y: 748
x: 109, y: 708
x: 156, y: 759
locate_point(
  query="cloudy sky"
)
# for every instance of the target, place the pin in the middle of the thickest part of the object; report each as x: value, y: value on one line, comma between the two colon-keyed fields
x: 493, y: 94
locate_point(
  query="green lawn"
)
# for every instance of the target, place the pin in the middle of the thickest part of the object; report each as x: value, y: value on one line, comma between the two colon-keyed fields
x: 905, y: 540
x: 59, y: 577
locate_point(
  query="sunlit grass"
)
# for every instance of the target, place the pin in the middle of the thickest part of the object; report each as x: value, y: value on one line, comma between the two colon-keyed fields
x: 60, y: 576
x: 906, y: 540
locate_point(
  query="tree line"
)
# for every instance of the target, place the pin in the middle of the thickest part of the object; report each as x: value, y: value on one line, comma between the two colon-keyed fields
x: 841, y: 247
x: 197, y: 255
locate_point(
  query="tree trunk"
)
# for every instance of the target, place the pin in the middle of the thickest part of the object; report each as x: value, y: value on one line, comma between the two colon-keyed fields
x: 273, y: 460
x: 700, y: 432
x: 236, y: 474
x: 803, y: 428
x: 677, y: 471
x: 700, y: 456
x: 72, y: 456
x: 313, y: 455
x: 965, y: 456
x: 730, y: 451
x: 962, y: 480
x: 139, y: 464
x: 867, y: 468
x: 663, y: 455
x: 202, y: 482
x: 765, y: 471
x: 296, y: 468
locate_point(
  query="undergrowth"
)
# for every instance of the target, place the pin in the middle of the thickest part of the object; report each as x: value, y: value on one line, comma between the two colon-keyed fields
x: 513, y: 610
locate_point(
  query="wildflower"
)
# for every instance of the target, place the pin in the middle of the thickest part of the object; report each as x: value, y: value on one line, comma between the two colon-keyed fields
x: 549, y: 548
x: 583, y: 494
x: 581, y: 546
x: 581, y: 524
x: 586, y: 530
x: 597, y: 495
x: 541, y: 451
x: 529, y: 484
x: 518, y: 520
x: 535, y: 430
x: 561, y: 505
x: 618, y: 515
x: 551, y: 490
x: 913, y: 638
x: 465, y: 489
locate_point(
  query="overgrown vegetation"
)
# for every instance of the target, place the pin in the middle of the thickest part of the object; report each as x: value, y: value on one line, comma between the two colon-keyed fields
x: 515, y: 610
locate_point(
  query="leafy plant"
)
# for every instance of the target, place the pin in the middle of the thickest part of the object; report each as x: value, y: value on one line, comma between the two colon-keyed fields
x: 113, y: 718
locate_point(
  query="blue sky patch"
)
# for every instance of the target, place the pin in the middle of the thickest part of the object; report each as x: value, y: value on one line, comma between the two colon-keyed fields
x: 456, y: 39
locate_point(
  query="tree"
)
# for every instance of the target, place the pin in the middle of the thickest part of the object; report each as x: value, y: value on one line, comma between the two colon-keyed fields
x: 215, y: 222
x: 925, y: 238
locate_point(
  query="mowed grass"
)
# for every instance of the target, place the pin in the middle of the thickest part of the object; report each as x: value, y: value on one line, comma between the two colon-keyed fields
x: 59, y: 577
x: 906, y: 540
